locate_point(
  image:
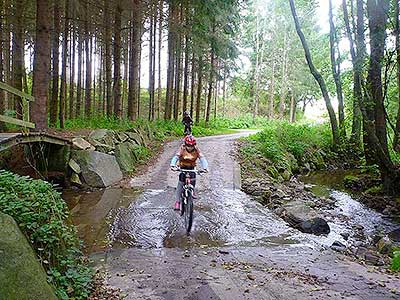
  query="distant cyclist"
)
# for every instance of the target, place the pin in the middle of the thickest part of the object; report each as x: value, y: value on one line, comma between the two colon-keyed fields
x: 188, y: 122
x: 186, y: 158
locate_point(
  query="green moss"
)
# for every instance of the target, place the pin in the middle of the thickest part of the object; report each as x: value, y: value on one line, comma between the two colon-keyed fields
x: 374, y: 190
x: 349, y: 180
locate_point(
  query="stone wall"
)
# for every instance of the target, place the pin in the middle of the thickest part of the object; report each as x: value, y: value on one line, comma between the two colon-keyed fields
x: 101, y: 159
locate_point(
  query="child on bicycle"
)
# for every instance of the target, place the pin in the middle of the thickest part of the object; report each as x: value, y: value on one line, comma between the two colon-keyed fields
x: 187, y: 122
x: 186, y: 158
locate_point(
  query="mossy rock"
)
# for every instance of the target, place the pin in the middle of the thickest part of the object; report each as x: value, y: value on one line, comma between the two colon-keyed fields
x: 286, y: 175
x: 21, y: 275
x: 125, y: 155
x: 351, y: 181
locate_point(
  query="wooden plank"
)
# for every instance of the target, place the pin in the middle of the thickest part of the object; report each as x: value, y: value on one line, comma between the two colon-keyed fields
x: 15, y: 121
x: 14, y: 91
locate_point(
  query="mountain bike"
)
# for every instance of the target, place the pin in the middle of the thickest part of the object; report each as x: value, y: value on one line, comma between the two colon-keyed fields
x: 186, y: 208
x: 188, y: 130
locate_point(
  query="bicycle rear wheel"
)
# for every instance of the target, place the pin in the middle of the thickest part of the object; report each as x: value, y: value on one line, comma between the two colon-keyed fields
x: 189, y: 214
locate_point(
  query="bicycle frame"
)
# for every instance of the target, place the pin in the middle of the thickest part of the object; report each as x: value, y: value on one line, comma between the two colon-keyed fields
x: 187, y: 198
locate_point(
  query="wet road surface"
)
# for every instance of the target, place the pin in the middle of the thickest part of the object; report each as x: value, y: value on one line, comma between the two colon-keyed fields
x: 238, y: 249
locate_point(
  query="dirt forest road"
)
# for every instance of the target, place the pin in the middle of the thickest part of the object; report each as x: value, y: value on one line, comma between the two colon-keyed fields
x: 238, y: 249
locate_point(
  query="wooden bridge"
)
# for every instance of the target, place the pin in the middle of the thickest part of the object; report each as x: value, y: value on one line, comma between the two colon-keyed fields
x: 8, y: 140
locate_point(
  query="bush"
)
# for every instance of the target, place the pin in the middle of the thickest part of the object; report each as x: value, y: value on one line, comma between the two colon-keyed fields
x: 396, y: 261
x: 288, y: 145
x: 44, y: 218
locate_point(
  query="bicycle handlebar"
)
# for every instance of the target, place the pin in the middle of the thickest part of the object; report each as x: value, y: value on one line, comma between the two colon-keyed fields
x: 189, y: 170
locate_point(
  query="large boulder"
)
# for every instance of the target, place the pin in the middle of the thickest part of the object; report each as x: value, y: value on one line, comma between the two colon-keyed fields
x: 21, y: 275
x: 301, y: 216
x: 98, y: 169
x: 315, y: 226
x: 125, y: 155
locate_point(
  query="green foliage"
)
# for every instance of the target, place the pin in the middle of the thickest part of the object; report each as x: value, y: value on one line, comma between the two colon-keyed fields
x: 288, y: 145
x: 141, y: 153
x: 43, y: 217
x: 374, y: 190
x: 350, y: 180
x: 396, y: 261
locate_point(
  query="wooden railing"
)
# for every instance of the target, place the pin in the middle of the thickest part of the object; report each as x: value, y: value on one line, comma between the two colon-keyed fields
x: 26, y: 98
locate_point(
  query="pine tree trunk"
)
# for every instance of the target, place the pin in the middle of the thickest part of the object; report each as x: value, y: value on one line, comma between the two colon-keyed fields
x: 63, y: 92
x: 210, y: 85
x: 79, y: 83
x: 171, y: 62
x: 72, y: 79
x: 192, y: 83
x: 117, y: 62
x: 199, y: 87
x: 88, y: 84
x: 41, y: 64
x: 2, y: 93
x: 139, y: 72
x: 7, y: 61
x: 100, y: 103
x: 186, y: 66
x: 18, y: 53
x: 151, y: 61
x: 133, y: 95
x: 178, y: 77
x: 55, y: 65
x: 125, y: 80
x: 108, y: 55
x: 131, y: 110
x: 93, y: 51
x: 317, y: 76
x: 160, y: 30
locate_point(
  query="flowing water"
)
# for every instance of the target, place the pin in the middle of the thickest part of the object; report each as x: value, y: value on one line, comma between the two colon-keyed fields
x: 223, y: 217
x: 142, y: 216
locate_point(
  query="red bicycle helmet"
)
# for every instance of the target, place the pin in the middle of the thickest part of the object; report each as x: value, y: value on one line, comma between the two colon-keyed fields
x: 190, y: 140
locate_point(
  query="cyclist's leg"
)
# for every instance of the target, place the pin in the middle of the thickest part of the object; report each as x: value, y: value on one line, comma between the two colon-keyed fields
x: 194, y: 185
x: 179, y: 190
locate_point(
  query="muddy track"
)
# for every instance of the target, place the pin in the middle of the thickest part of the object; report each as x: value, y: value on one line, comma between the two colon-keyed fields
x: 238, y: 249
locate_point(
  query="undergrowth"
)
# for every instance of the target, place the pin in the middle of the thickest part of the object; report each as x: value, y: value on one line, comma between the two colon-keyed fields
x: 396, y: 261
x: 289, y: 146
x: 44, y: 218
x: 161, y: 128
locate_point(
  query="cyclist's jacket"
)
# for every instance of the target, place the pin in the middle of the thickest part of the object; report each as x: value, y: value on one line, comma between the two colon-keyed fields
x: 187, y: 121
x: 186, y: 159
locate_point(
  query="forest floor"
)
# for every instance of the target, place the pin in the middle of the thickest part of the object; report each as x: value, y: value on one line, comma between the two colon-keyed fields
x: 238, y: 248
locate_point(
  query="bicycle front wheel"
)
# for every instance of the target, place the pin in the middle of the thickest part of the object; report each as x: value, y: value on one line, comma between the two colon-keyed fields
x: 189, y: 214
